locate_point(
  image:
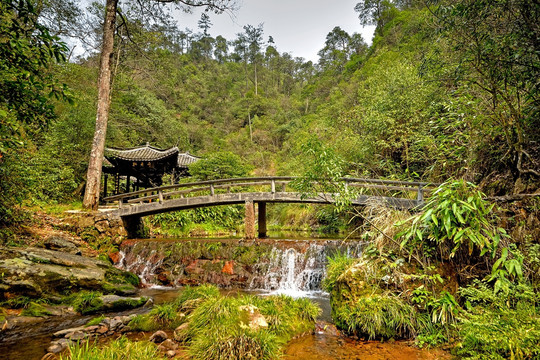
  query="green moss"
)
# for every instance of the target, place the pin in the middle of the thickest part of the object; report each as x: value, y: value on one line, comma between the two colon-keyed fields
x: 35, y: 310
x: 95, y: 321
x: 87, y: 302
x: 127, y: 303
x: 119, y: 289
x: 117, y: 276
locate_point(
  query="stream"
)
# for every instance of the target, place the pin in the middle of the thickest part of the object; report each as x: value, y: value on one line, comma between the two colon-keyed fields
x: 292, y: 267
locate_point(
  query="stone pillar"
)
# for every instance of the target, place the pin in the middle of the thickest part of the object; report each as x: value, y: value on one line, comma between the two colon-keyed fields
x: 262, y: 220
x: 135, y: 227
x: 250, y: 220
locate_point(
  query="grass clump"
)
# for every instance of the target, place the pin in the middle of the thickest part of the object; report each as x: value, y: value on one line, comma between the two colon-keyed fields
x: 221, y: 327
x: 120, y: 349
x: 247, y: 327
x: 241, y: 344
x: 87, y: 302
x: 378, y: 316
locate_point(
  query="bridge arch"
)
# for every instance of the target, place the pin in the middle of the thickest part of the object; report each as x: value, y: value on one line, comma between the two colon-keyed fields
x: 250, y: 191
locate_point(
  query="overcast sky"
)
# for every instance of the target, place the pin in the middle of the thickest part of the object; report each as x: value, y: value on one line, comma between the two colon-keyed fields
x: 297, y: 26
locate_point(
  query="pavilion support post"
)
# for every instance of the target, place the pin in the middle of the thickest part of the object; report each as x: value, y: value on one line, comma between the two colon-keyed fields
x: 128, y: 181
x: 250, y: 220
x: 135, y: 227
x: 105, y: 185
x: 262, y: 220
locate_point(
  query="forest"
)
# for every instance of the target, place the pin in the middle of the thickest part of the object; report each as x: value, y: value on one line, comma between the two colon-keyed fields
x: 446, y: 92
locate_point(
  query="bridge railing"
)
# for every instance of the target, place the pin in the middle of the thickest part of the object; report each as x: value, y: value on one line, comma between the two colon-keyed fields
x: 265, y: 184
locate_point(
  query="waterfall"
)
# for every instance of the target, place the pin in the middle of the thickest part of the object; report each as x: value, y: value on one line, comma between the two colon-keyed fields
x: 299, y: 273
x: 292, y: 267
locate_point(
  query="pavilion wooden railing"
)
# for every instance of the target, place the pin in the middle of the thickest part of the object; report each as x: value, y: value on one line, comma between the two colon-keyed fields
x: 275, y: 183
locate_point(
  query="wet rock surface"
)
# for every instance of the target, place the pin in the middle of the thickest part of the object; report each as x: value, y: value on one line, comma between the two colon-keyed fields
x: 36, y: 272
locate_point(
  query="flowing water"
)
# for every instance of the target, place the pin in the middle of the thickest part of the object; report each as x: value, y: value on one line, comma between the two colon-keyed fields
x: 291, y: 267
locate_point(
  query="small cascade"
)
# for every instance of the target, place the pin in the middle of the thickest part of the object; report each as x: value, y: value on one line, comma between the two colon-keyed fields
x: 292, y: 267
x: 143, y: 264
x: 299, y: 272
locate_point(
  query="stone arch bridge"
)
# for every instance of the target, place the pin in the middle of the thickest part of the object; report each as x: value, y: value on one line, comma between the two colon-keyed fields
x: 258, y: 190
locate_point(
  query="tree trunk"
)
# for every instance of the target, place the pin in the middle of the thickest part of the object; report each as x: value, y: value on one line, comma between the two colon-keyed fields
x: 93, y: 177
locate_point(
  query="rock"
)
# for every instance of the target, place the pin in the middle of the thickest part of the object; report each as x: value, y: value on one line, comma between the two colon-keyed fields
x: 181, y: 332
x: 158, y: 337
x: 102, y: 226
x: 170, y: 353
x: 102, y: 330
x: 255, y: 320
x: 91, y: 329
x: 33, y: 272
x: 228, y: 268
x: 115, y: 323
x: 115, y: 302
x: 60, y: 243
x: 114, y: 257
x: 77, y: 335
x: 63, y: 333
x: 168, y: 345
x: 49, y: 356
x: 57, y: 347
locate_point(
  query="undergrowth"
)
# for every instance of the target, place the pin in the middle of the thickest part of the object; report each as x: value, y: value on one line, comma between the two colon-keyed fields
x: 221, y: 327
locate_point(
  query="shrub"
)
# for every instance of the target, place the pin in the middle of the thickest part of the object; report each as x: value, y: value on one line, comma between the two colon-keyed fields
x: 456, y: 220
x: 378, y: 316
x: 499, y: 327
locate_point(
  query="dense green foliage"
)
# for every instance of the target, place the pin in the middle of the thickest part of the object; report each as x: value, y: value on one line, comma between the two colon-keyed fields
x: 447, y: 90
x: 408, y: 107
x: 447, y: 274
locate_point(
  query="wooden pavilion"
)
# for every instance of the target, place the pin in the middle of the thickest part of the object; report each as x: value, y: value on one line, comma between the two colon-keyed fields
x: 143, y: 167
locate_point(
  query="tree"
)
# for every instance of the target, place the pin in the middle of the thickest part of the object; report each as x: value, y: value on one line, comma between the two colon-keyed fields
x: 93, y: 178
x: 497, y: 47
x: 27, y: 51
x: 220, y: 165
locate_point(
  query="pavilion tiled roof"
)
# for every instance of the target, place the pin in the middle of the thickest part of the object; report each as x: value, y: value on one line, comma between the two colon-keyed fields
x: 186, y: 159
x: 142, y: 153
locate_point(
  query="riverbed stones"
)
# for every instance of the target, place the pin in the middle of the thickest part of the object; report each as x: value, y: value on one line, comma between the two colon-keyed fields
x: 158, y: 337
x: 167, y: 345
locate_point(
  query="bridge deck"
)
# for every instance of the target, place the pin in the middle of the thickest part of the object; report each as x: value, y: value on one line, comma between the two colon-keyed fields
x: 398, y: 194
x: 144, y: 209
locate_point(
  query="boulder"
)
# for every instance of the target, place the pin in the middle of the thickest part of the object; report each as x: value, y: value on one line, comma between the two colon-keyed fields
x: 36, y: 272
x: 60, y: 243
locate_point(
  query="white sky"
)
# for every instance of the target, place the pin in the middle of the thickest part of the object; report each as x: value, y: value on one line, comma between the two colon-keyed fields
x: 298, y: 27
